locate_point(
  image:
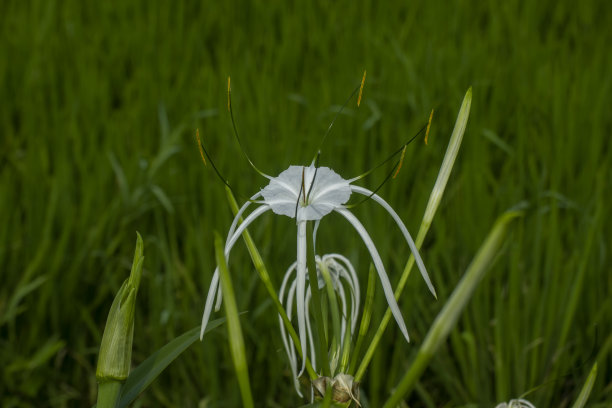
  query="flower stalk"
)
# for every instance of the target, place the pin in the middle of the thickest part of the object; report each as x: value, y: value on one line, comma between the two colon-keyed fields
x: 234, y: 330
x: 323, y: 364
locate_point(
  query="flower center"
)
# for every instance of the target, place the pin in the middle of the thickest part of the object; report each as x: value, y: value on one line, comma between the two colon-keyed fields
x: 315, y: 197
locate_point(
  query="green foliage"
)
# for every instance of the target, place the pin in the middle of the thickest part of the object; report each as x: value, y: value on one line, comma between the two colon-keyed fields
x: 143, y: 375
x: 100, y: 102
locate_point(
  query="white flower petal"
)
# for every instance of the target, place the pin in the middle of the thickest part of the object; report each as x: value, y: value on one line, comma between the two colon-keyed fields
x: 214, y: 284
x: 382, y: 275
x: 400, y: 223
x: 287, y: 340
x: 350, y: 276
x: 239, y: 214
x: 232, y: 239
x: 228, y: 247
x: 285, y: 191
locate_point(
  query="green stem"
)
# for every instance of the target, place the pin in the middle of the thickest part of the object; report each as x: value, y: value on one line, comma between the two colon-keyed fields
x: 108, y: 393
x: 364, y: 325
x: 234, y: 330
x: 316, y: 300
x: 335, y: 314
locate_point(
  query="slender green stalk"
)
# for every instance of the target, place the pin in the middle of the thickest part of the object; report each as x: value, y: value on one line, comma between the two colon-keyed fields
x: 346, y: 344
x: 327, y: 399
x: 234, y: 330
x: 316, y: 301
x: 335, y: 315
x: 108, y: 394
x: 447, y: 318
x: 432, y: 206
x: 364, y: 325
x: 586, y: 388
x: 265, y: 278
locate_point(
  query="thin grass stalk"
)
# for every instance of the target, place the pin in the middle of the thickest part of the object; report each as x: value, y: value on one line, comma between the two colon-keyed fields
x: 336, y: 337
x: 364, y: 325
x: 578, y: 283
x: 311, y: 265
x: 447, y: 318
x: 234, y: 330
x: 586, y: 388
x: 346, y: 344
x: 432, y: 206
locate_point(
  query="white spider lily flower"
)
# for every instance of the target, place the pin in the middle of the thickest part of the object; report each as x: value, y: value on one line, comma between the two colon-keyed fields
x: 516, y: 403
x: 342, y: 273
x: 308, y: 194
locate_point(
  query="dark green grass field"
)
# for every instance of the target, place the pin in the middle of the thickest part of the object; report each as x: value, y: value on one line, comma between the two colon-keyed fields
x: 99, y: 103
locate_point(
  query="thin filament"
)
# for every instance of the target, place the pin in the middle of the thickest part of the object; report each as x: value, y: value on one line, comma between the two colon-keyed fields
x: 231, y: 111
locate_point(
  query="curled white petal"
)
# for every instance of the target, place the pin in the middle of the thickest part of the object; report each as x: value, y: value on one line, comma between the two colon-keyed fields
x: 214, y: 284
x: 400, y: 224
x: 239, y: 214
x: 287, y: 341
x: 378, y: 264
x: 228, y: 247
x: 342, y: 264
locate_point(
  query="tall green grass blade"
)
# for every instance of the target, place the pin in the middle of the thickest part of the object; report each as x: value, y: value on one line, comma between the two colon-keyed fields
x: 234, y: 330
x: 14, y: 307
x: 447, y: 318
x: 366, y: 315
x: 432, y: 206
x: 346, y: 344
x: 586, y: 388
x: 336, y: 336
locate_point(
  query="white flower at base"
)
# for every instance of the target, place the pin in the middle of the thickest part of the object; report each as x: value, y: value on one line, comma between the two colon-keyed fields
x: 308, y: 194
x: 516, y: 403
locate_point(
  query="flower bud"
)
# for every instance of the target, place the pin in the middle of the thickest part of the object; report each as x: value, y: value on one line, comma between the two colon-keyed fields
x: 116, y: 347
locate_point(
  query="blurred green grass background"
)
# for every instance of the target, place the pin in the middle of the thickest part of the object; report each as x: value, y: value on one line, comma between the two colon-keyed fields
x: 99, y: 106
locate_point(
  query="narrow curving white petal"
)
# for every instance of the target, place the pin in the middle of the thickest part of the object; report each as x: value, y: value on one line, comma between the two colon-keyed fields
x: 287, y: 341
x: 240, y: 213
x: 378, y: 264
x: 351, y: 277
x: 407, y: 236
x: 244, y: 225
x: 231, y: 241
x: 214, y: 284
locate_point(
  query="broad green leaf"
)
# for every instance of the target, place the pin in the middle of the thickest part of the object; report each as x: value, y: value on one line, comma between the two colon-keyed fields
x: 143, y: 375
